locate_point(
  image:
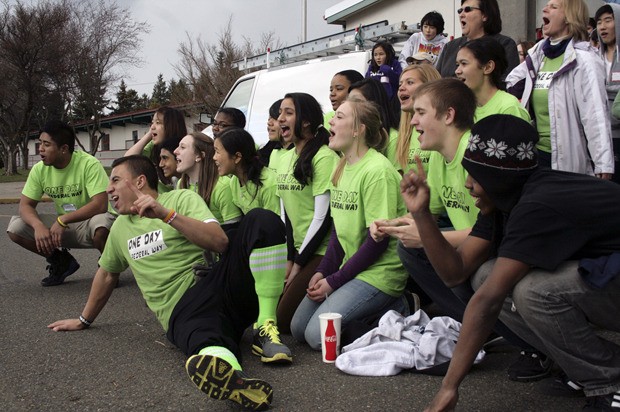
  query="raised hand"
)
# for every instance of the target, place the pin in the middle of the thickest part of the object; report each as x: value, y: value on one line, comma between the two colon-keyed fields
x: 145, y: 205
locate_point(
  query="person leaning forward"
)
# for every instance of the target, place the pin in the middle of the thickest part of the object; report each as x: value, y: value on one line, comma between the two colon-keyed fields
x: 547, y: 243
x: 161, y: 237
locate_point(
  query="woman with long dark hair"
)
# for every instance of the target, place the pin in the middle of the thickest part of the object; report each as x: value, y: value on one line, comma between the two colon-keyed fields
x: 303, y: 175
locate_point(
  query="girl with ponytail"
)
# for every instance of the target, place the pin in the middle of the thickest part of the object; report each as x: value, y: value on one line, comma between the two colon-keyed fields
x: 252, y: 184
x: 303, y: 175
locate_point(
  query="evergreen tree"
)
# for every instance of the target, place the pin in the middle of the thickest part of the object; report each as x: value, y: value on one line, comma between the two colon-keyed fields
x: 127, y: 100
x: 180, y: 92
x: 161, y: 93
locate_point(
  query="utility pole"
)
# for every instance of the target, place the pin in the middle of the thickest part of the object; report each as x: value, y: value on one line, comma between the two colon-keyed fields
x: 304, y: 21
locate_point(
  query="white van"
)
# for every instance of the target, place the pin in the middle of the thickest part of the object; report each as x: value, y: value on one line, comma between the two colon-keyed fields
x: 254, y: 93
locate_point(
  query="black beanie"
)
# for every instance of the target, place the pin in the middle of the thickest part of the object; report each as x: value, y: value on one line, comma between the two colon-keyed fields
x: 501, y: 155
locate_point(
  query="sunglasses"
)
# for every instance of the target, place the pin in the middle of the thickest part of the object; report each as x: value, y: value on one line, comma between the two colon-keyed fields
x: 467, y: 9
x: 221, y: 125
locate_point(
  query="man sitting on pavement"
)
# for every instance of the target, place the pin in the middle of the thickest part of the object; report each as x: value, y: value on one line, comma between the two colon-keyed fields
x: 557, y: 246
x: 76, y: 182
x: 161, y: 237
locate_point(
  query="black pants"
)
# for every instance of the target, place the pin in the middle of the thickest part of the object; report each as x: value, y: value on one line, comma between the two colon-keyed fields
x: 219, y: 307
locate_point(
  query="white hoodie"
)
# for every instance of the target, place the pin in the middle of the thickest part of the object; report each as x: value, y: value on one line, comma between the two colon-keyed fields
x: 417, y: 43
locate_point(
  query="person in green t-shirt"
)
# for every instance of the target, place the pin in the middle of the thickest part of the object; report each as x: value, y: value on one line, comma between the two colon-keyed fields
x: 480, y: 64
x: 444, y: 113
x: 168, y: 126
x: 168, y: 161
x: 227, y: 117
x: 253, y: 186
x: 199, y: 173
x: 339, y: 90
x: 76, y: 182
x: 407, y: 146
x: 161, y: 237
x: 359, y: 278
x: 303, y: 175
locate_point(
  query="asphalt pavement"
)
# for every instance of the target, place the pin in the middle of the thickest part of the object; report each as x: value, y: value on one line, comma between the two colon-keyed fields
x: 124, y: 362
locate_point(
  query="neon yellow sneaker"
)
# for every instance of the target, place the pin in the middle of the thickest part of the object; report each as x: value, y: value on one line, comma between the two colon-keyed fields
x: 219, y: 380
x: 268, y: 346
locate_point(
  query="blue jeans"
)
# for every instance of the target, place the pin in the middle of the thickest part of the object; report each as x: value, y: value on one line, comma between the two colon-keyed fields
x: 355, y: 300
x: 555, y: 311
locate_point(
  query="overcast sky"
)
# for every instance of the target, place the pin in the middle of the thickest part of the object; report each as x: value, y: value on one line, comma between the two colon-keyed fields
x: 170, y: 20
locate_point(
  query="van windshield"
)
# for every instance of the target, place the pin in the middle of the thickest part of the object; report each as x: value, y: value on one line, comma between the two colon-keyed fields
x: 239, y: 97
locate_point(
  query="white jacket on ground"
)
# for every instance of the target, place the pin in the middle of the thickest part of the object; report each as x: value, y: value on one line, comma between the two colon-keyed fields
x: 578, y: 112
x: 414, y: 342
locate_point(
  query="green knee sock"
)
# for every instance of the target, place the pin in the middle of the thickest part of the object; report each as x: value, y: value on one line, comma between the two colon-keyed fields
x: 268, y: 266
x: 223, y: 353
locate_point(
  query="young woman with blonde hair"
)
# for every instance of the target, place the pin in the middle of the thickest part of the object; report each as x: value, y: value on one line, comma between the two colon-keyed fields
x: 358, y: 277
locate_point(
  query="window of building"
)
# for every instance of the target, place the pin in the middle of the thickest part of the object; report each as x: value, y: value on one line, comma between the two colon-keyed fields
x: 105, y: 141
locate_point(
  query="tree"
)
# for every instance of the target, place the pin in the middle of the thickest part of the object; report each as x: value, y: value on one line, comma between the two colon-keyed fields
x: 34, y: 41
x: 161, y: 93
x: 108, y: 40
x: 208, y: 69
x: 127, y: 100
x: 180, y: 92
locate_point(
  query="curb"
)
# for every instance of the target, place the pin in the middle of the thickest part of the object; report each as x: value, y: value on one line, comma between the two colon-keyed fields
x: 13, y: 200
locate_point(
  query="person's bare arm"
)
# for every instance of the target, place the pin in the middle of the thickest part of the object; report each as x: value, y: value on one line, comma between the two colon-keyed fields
x: 42, y: 236
x: 453, y: 266
x: 480, y: 315
x: 100, y: 291
x: 139, y: 146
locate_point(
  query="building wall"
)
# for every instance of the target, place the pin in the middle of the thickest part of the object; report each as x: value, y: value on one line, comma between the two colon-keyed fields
x: 519, y: 18
x: 121, y: 138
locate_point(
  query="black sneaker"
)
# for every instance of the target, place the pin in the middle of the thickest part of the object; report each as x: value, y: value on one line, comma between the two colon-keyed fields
x: 61, y: 265
x: 219, y: 380
x: 609, y: 402
x: 530, y: 366
x: 563, y: 386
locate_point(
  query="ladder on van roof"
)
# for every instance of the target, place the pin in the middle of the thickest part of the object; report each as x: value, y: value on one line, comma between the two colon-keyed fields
x: 360, y: 38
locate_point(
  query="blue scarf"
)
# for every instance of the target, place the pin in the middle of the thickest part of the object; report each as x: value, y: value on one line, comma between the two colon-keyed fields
x: 552, y: 51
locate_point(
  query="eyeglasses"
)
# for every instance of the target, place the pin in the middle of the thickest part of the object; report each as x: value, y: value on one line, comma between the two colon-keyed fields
x: 221, y: 125
x: 467, y: 9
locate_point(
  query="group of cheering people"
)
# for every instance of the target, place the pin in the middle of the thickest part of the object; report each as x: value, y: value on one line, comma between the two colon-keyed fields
x: 453, y: 196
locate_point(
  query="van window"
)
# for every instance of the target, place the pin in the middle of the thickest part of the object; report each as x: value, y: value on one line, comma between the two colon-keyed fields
x: 239, y: 97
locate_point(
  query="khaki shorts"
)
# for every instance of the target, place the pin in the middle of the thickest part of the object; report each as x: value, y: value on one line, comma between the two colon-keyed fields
x: 79, y: 235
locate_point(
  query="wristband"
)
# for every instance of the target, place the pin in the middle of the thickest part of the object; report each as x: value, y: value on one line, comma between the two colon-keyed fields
x: 174, y: 215
x: 85, y: 321
x: 168, y: 216
x: 60, y: 222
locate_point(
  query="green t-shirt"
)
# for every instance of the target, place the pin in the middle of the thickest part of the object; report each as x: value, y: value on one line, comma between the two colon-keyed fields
x: 327, y: 117
x: 274, y: 158
x: 540, y: 100
x: 390, y: 148
x: 502, y: 103
x: 414, y: 150
x: 446, y: 181
x: 159, y: 256
x: 299, y: 199
x: 221, y: 203
x: 367, y: 191
x: 70, y: 188
x: 250, y: 196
